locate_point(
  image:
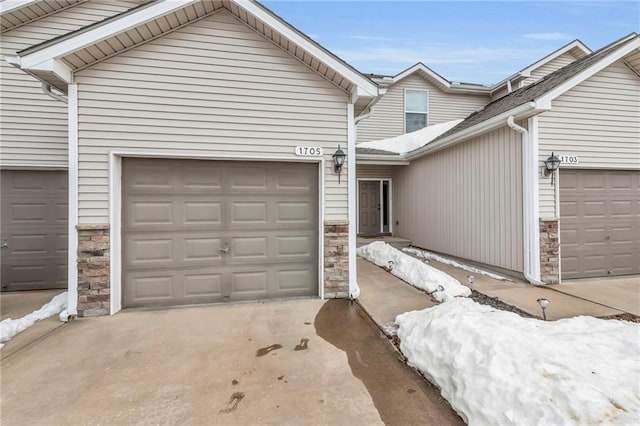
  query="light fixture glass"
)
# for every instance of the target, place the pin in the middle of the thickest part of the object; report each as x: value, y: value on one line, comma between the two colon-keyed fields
x: 551, y: 164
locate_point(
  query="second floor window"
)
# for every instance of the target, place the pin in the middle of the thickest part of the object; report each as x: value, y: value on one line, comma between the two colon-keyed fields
x: 415, y: 110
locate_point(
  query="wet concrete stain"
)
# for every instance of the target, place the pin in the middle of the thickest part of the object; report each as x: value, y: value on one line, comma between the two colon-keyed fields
x: 411, y: 390
x: 307, y: 323
x: 303, y: 346
x: 234, y: 382
x: 266, y: 350
x: 280, y: 377
x: 375, y: 362
x: 232, y: 405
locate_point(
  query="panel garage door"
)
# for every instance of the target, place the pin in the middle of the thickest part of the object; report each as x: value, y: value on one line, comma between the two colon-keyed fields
x: 599, y: 223
x: 210, y: 231
x: 34, y: 230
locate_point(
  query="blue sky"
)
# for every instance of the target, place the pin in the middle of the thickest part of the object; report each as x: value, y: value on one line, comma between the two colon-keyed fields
x: 472, y: 41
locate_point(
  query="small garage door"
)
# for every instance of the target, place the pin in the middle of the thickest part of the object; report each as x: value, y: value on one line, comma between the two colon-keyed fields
x: 34, y: 230
x: 211, y: 231
x: 599, y: 223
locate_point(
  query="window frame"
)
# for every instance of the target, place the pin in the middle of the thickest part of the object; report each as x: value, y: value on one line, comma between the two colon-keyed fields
x: 404, y: 114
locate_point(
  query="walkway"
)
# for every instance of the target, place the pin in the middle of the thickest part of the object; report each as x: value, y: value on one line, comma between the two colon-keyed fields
x: 384, y: 296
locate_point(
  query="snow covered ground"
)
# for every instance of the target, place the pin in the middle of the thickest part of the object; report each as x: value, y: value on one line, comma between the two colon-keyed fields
x: 409, y: 269
x: 432, y: 256
x: 10, y: 327
x: 497, y: 368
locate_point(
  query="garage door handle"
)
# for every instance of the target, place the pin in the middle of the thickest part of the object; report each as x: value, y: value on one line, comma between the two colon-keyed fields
x: 224, y: 249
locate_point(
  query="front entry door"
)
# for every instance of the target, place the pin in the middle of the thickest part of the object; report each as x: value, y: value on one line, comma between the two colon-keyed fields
x: 369, y: 207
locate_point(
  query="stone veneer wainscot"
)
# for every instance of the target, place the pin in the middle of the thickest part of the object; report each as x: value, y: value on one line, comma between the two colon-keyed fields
x: 549, y: 251
x: 93, y: 270
x: 336, y: 259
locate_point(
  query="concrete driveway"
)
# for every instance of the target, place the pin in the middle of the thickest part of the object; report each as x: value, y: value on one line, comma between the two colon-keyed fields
x: 286, y: 362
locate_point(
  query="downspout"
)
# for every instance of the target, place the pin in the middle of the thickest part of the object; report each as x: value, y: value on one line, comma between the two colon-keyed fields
x: 46, y: 88
x: 529, y: 201
x: 354, y: 289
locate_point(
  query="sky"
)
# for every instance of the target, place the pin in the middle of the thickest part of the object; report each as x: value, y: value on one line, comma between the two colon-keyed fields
x: 471, y: 41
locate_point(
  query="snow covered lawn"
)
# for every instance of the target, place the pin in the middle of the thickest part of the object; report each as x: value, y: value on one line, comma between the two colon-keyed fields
x: 10, y: 327
x: 409, y: 269
x: 497, y: 368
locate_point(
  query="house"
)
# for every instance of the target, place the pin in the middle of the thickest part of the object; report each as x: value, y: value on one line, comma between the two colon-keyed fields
x: 204, y: 142
x: 481, y: 192
x: 33, y: 152
x: 439, y: 101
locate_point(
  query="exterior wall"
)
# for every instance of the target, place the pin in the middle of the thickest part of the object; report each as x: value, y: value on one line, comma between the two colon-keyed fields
x: 33, y: 126
x: 336, y: 259
x: 387, y: 119
x: 598, y: 121
x: 214, y: 87
x: 466, y: 200
x: 364, y: 171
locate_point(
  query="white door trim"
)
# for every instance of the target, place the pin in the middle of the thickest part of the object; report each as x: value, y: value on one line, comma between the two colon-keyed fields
x: 115, y: 210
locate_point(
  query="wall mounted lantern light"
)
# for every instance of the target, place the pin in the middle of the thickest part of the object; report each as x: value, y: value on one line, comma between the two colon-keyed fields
x: 551, y: 164
x: 338, y: 161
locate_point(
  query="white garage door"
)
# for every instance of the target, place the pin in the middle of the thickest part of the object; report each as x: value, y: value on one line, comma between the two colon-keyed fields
x: 211, y: 231
x: 599, y: 223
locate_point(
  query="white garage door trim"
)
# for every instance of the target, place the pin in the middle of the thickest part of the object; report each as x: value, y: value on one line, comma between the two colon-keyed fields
x: 115, y: 198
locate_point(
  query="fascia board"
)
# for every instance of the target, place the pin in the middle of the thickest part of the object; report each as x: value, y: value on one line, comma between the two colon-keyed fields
x: 95, y: 35
x: 472, y: 131
x: 545, y: 100
x: 366, y: 87
x: 373, y: 159
x: 56, y: 67
x: 421, y: 67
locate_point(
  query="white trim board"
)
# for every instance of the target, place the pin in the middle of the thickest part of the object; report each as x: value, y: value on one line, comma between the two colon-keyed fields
x: 115, y: 207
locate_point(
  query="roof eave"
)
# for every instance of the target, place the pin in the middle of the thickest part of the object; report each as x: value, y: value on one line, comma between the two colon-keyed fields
x: 379, y: 159
x: 364, y: 87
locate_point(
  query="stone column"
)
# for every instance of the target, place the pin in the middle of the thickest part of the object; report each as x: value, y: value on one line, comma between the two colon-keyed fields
x: 549, y: 251
x: 93, y: 270
x: 336, y: 259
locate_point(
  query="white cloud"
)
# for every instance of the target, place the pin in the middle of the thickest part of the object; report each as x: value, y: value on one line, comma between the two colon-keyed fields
x: 547, y: 36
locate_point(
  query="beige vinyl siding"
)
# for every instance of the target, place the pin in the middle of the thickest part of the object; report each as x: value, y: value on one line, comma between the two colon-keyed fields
x: 465, y: 201
x: 546, y: 69
x: 372, y: 171
x: 387, y: 119
x: 598, y: 120
x: 33, y: 126
x: 215, y: 88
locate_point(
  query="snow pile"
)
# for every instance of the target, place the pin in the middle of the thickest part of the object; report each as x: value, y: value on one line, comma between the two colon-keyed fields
x: 410, y: 141
x: 409, y: 269
x: 11, y: 327
x: 497, y: 368
x: 432, y: 256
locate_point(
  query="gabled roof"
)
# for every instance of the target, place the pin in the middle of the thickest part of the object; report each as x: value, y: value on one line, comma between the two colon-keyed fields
x: 576, y: 48
x: 54, y: 61
x: 536, y: 97
x: 435, y: 78
x: 15, y: 13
